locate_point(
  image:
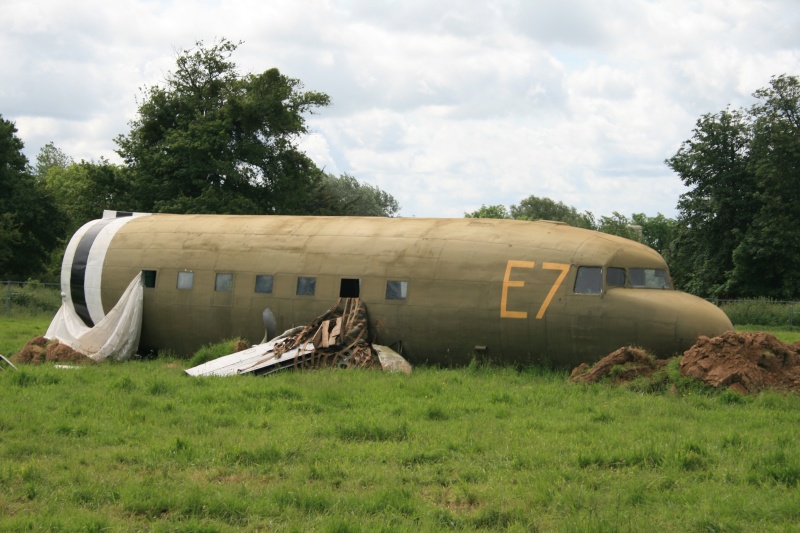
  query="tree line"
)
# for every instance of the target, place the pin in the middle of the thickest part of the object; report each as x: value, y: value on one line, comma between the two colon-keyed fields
x: 737, y: 233
x: 213, y: 140
x: 209, y: 140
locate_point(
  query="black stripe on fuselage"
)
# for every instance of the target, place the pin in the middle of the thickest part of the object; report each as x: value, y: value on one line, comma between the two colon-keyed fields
x: 78, y: 271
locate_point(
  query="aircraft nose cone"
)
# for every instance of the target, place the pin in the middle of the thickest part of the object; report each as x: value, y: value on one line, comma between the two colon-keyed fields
x: 700, y: 318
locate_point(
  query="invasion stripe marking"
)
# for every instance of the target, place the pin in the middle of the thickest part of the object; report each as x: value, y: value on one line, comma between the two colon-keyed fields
x: 78, y: 272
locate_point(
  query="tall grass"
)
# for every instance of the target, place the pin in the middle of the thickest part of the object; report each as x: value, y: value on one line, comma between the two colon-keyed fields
x: 29, y: 299
x: 762, y: 312
x: 16, y: 330
x: 141, y: 446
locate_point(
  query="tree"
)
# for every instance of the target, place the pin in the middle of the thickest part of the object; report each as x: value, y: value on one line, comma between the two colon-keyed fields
x: 30, y: 224
x: 767, y: 257
x: 738, y: 234
x: 85, y: 189
x: 535, y: 208
x: 618, y: 224
x: 716, y: 212
x: 346, y: 196
x: 215, y: 141
x: 50, y: 157
x: 658, y: 232
x: 489, y: 211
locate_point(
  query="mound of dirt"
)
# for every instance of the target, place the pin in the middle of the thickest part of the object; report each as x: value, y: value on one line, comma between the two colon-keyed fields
x: 744, y: 362
x: 39, y: 350
x: 623, y: 365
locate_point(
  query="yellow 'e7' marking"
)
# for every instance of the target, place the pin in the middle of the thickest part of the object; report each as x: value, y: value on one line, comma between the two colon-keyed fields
x: 552, y: 266
x: 505, y: 313
x: 507, y: 283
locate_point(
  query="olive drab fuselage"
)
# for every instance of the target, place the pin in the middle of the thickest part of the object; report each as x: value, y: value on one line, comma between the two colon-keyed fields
x: 438, y: 290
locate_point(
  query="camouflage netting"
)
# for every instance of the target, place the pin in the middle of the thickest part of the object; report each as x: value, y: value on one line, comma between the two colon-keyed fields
x: 744, y: 362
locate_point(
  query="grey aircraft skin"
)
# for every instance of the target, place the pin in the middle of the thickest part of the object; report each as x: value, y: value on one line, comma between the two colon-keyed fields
x: 439, y: 291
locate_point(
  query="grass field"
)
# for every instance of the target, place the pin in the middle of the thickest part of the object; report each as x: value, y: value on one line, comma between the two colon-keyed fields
x: 141, y: 446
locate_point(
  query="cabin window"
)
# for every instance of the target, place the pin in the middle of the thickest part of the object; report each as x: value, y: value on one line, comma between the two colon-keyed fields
x: 223, y: 282
x: 615, y: 277
x: 648, y: 278
x: 396, y: 290
x: 185, y: 281
x: 264, y: 283
x: 589, y: 280
x: 306, y: 286
x: 149, y: 278
x: 349, y: 288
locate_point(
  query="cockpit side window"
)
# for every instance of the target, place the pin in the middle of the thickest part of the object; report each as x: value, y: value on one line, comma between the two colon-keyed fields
x: 615, y: 277
x: 648, y: 278
x: 589, y: 280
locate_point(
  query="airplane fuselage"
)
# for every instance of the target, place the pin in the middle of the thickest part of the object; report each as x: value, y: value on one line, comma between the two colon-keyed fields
x: 438, y: 290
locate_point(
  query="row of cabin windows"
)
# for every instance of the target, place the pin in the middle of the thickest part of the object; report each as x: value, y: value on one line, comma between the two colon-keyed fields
x: 589, y: 280
x: 306, y: 285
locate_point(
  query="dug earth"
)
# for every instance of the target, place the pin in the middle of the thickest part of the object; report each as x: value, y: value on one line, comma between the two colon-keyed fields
x: 742, y: 362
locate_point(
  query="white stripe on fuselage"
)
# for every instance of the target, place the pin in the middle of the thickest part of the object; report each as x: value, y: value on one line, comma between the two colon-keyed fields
x: 92, y: 283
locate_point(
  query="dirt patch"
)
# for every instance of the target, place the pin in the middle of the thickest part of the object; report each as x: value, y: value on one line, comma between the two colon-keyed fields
x: 38, y: 350
x: 623, y: 365
x: 743, y: 362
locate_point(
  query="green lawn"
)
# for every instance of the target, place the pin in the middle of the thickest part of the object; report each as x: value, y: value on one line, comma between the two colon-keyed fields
x: 142, y: 446
x: 16, y: 330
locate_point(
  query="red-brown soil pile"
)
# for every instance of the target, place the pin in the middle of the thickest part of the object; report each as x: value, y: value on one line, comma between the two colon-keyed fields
x: 38, y: 350
x: 744, y: 362
x: 622, y: 365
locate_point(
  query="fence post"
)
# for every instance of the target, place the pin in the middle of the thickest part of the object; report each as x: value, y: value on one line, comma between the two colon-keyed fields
x: 8, y: 298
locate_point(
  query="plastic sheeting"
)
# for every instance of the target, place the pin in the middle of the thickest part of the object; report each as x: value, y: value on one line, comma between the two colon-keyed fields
x: 116, y: 335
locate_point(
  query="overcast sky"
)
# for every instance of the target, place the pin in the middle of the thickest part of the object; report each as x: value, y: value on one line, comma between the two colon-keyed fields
x: 447, y: 105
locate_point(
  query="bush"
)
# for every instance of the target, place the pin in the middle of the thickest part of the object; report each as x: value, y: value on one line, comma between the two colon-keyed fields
x: 760, y: 312
x: 30, y: 298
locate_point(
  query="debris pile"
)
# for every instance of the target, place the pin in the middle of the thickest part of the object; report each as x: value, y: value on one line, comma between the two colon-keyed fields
x: 39, y: 350
x: 623, y: 365
x: 338, y: 338
x: 743, y: 362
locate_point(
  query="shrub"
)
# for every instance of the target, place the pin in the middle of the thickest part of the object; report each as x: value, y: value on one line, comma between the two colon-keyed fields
x: 32, y: 298
x: 760, y: 312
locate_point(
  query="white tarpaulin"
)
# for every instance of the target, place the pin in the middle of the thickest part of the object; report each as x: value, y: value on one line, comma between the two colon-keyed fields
x: 115, y: 336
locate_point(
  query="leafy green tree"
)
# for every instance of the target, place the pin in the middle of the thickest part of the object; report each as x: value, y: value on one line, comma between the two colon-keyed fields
x: 535, y: 208
x: 85, y: 189
x: 489, y: 211
x: 346, y: 196
x: 618, y: 224
x: 50, y: 157
x: 658, y: 232
x: 765, y: 262
x: 30, y: 224
x: 215, y: 141
x: 716, y: 212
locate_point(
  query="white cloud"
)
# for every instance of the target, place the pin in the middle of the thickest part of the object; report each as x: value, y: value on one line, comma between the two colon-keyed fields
x: 446, y: 105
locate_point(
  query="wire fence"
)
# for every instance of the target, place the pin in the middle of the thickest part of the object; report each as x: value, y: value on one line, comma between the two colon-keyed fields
x: 29, y: 298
